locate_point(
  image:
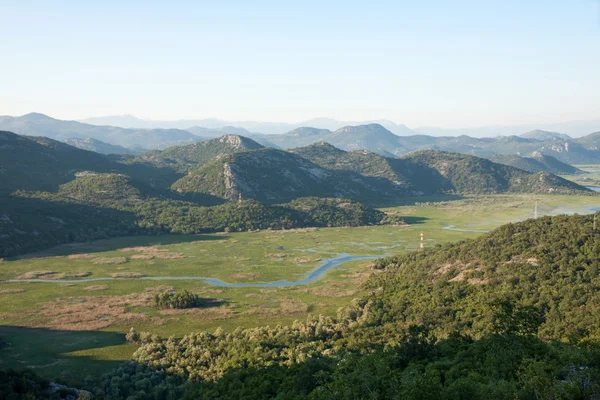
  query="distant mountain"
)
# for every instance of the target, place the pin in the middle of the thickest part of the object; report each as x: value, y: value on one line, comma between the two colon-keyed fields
x: 269, y: 128
x: 536, y: 163
x: 35, y: 124
x: 591, y: 141
x: 469, y: 174
x: 544, y: 135
x: 373, y: 137
x: 571, y: 128
x: 99, y: 146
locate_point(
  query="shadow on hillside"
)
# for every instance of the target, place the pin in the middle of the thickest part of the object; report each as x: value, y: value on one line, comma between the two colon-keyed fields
x: 69, y: 355
x: 414, y: 220
x: 117, y: 243
x: 38, y: 227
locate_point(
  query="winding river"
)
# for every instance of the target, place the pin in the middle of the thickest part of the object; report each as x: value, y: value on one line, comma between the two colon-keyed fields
x: 312, y: 276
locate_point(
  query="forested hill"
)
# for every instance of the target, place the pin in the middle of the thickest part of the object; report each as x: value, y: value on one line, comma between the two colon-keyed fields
x: 552, y: 263
x: 469, y: 174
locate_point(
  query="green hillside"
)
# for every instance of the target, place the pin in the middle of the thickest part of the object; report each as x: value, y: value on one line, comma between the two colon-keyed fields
x: 536, y: 163
x: 34, y: 163
x: 469, y: 174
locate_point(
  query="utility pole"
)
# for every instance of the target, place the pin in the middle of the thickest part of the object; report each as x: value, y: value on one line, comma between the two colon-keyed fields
x: 594, y: 228
x: 535, y: 211
x: 421, y: 246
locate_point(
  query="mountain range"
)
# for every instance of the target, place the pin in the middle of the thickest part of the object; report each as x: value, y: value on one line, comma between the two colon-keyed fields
x: 35, y: 124
x: 571, y: 128
x: 373, y: 137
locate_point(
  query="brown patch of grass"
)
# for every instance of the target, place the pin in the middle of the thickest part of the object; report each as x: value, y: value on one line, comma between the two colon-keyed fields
x: 277, y: 255
x: 331, y: 292
x: 158, y: 289
x: 12, y: 291
x: 210, y: 313
x: 50, y: 275
x: 90, y: 312
x: 109, y: 260
x: 287, y: 306
x: 248, y: 275
x: 95, y: 288
x: 151, y: 252
x: 305, y: 260
x: 79, y: 256
x: 142, y: 257
x: 357, y: 278
x: 128, y: 275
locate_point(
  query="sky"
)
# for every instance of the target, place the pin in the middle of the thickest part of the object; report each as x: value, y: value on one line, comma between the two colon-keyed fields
x: 420, y: 63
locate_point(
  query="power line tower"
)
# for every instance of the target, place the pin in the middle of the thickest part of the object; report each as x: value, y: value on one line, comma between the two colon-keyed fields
x: 535, y: 213
x: 594, y: 226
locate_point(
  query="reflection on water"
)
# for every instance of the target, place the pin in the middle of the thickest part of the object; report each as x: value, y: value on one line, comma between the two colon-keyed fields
x: 315, y: 274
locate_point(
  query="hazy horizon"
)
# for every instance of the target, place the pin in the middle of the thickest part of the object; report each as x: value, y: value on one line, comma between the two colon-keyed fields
x: 469, y: 64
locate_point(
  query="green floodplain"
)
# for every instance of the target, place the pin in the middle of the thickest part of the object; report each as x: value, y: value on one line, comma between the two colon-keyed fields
x: 75, y: 329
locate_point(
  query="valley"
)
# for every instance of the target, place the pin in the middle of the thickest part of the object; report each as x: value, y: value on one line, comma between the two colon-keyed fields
x: 82, y: 325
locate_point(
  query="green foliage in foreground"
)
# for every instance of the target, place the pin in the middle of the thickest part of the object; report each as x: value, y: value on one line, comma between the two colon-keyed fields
x: 319, y: 359
x: 178, y: 300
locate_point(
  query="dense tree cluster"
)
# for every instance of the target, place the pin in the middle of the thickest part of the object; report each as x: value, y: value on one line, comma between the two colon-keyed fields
x: 551, y: 263
x: 178, y: 300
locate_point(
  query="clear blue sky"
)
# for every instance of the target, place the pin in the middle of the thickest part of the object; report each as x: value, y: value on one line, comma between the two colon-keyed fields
x: 421, y: 62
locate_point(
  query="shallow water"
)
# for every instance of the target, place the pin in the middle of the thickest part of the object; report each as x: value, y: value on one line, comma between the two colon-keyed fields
x: 594, y: 188
x: 312, y: 276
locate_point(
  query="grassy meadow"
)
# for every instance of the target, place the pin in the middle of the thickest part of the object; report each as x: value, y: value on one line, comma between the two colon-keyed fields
x: 76, y: 329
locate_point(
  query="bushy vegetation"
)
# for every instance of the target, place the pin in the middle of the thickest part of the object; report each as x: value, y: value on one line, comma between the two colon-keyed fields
x: 176, y: 300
